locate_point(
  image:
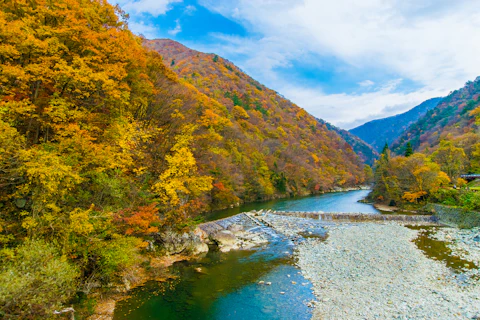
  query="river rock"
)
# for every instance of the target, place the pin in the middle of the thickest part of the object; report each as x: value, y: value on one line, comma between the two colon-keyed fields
x: 225, y: 240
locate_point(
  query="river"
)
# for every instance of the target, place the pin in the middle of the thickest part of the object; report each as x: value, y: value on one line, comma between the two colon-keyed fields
x: 226, y: 285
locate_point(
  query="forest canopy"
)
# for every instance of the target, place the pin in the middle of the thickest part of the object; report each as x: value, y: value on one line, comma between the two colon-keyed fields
x: 102, y: 147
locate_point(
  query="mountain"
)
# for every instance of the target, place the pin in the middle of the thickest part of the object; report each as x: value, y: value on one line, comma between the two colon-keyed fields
x: 270, y: 146
x: 366, y: 152
x: 105, y: 151
x: 381, y: 131
x: 452, y: 119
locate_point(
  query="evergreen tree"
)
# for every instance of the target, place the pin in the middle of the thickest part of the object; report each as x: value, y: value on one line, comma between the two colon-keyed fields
x: 385, y: 148
x: 215, y: 59
x: 386, y: 152
x: 172, y: 63
x: 409, y: 150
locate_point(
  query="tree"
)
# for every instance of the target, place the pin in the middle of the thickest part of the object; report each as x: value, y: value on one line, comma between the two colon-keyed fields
x: 419, y: 176
x: 451, y: 159
x: 386, y: 152
x: 408, y: 150
x: 180, y: 185
x: 215, y: 58
x: 35, y: 280
x: 369, y: 177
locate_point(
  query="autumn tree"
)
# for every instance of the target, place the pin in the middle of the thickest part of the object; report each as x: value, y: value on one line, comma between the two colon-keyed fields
x: 180, y: 185
x: 451, y: 159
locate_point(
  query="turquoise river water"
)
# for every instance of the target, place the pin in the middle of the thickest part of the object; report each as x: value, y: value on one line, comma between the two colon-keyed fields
x: 225, y: 285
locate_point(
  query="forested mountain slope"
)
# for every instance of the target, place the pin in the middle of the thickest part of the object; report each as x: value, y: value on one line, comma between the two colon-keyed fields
x: 103, y: 149
x: 296, y: 153
x: 387, y: 130
x: 453, y: 119
x: 366, y: 152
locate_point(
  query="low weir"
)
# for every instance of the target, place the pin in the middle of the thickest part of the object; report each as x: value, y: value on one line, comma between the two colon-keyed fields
x: 357, y: 217
x: 249, y: 221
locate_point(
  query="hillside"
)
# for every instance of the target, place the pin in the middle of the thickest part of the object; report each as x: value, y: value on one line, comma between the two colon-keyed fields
x: 299, y: 154
x: 452, y: 119
x: 105, y: 151
x: 387, y: 130
x: 366, y: 152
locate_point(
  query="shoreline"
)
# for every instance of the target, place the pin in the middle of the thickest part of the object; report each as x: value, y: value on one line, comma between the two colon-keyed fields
x: 367, y: 271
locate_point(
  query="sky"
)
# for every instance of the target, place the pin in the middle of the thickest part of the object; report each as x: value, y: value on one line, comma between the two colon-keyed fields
x: 345, y: 61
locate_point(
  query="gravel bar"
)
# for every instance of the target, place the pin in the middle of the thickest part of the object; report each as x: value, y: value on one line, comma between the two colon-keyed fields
x: 374, y: 271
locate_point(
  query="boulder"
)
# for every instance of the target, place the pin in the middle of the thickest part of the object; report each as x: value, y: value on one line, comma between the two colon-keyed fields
x: 225, y: 240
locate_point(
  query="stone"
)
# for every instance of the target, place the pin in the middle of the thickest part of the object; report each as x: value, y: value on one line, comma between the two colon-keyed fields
x: 224, y: 238
x: 199, y: 247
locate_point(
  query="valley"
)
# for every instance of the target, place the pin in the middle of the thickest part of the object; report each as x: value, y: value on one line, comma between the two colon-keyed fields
x: 208, y: 175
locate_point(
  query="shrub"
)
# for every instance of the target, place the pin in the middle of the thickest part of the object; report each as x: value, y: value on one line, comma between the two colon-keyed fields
x: 35, y: 280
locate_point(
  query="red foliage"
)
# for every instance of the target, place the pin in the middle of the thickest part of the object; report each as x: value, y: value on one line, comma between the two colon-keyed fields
x: 141, y: 221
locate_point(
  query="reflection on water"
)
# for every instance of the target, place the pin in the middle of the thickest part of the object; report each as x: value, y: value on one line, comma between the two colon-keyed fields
x: 329, y: 202
x: 226, y: 285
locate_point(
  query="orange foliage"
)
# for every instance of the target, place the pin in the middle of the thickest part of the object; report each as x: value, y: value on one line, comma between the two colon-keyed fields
x: 143, y: 220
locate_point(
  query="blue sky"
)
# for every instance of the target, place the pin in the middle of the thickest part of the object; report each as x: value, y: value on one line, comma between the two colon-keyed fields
x: 345, y: 61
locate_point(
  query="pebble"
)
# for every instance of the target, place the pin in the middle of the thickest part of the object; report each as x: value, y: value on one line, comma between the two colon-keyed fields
x: 376, y: 271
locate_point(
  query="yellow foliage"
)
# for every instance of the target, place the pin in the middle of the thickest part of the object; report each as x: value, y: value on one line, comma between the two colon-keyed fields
x: 79, y: 221
x: 413, y: 196
x: 240, y: 113
x: 181, y: 182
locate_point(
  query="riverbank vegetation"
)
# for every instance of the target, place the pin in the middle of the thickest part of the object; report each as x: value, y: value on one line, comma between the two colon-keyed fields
x: 447, y: 145
x: 103, y: 148
x: 416, y: 178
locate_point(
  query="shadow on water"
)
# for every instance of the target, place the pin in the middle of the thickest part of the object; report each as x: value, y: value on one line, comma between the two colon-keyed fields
x: 225, y: 286
x: 438, y: 250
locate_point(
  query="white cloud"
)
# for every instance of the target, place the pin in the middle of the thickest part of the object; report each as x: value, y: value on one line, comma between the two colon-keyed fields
x: 149, y: 31
x: 176, y: 30
x: 432, y: 43
x: 152, y: 7
x: 366, y: 83
x: 350, y: 110
x: 189, y: 10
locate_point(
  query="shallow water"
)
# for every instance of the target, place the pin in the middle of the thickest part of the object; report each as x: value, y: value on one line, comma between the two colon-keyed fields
x: 226, y: 285
x: 329, y: 202
x: 438, y: 250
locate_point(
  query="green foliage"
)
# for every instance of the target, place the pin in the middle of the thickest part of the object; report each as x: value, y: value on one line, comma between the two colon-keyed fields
x: 35, y: 281
x: 470, y: 200
x: 386, y: 150
x: 408, y: 150
x: 215, y: 58
x: 117, y: 255
x: 369, y: 176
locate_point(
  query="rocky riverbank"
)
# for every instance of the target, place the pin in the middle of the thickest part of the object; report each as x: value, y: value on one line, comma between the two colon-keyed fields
x: 464, y: 243
x: 374, y: 271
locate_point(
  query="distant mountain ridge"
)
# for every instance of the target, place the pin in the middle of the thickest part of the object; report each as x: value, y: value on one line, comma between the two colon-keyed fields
x: 452, y: 119
x: 365, y: 151
x: 387, y: 130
